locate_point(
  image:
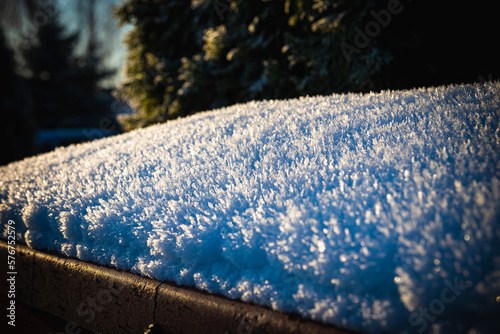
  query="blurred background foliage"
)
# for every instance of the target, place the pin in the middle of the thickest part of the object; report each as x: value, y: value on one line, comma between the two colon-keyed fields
x: 50, y: 95
x: 189, y: 56
x: 60, y: 81
x: 17, y: 125
x: 58, y: 71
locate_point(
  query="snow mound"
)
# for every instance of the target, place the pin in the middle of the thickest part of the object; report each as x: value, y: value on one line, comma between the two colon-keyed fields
x: 376, y: 212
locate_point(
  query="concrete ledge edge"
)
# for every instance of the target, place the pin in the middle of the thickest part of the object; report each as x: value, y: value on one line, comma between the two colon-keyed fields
x: 105, y: 300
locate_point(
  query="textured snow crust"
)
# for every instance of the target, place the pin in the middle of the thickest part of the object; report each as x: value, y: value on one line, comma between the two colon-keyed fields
x: 376, y: 212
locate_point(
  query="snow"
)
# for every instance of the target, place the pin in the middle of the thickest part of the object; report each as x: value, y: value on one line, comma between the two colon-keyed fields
x: 376, y: 212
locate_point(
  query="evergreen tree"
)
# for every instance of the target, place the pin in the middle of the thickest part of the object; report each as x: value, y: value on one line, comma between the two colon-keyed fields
x: 189, y: 56
x: 186, y: 57
x: 168, y: 33
x: 18, y: 127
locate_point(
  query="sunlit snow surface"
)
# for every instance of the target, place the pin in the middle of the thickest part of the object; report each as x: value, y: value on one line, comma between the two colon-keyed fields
x: 377, y: 212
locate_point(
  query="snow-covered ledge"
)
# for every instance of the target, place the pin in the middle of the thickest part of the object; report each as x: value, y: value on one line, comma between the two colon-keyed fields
x: 101, y: 299
x: 372, y: 212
